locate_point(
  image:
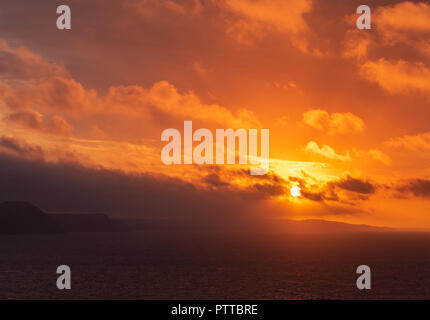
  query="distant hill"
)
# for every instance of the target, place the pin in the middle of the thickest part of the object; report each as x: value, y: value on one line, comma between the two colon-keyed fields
x: 317, y: 226
x: 25, y: 218
x: 270, y: 226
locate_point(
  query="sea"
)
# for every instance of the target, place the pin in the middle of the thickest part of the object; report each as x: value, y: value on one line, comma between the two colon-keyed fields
x: 188, y: 265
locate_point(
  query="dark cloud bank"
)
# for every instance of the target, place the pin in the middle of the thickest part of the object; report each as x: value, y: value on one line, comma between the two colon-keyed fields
x: 69, y: 187
x: 418, y: 187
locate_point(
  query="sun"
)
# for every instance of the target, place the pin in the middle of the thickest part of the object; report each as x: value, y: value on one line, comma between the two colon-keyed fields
x: 295, y: 192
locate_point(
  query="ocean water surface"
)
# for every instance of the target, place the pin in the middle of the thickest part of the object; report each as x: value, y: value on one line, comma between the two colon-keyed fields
x: 215, y: 265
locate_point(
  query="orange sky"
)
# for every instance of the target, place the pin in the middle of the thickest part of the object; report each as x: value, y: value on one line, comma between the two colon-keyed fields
x: 347, y: 109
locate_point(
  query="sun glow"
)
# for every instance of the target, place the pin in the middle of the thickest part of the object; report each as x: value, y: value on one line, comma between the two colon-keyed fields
x: 295, y: 192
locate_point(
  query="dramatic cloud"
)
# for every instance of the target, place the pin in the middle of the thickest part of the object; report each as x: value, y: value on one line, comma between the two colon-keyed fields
x: 161, y: 100
x: 419, y: 142
x: 380, y: 156
x: 35, y: 120
x: 396, y: 21
x: 18, y: 147
x: 394, y: 34
x: 265, y: 186
x: 347, y: 190
x: 282, y: 15
x: 397, y: 76
x: 335, y: 123
x: 355, y: 185
x: 71, y: 187
x: 101, y: 95
x: 392, y: 25
x: 104, y: 127
x: 109, y: 129
x: 326, y: 152
x: 418, y: 187
x: 20, y: 63
x: 254, y: 19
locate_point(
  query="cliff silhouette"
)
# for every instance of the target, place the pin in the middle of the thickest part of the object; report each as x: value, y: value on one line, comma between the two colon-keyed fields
x: 26, y: 218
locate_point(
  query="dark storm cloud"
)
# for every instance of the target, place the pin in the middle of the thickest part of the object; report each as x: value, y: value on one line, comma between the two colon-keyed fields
x: 264, y: 190
x: 214, y: 180
x: 313, y: 196
x: 20, y: 63
x: 69, y: 187
x: 418, y: 187
x: 19, y: 147
x: 346, y: 190
x: 355, y: 185
x: 260, y: 186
